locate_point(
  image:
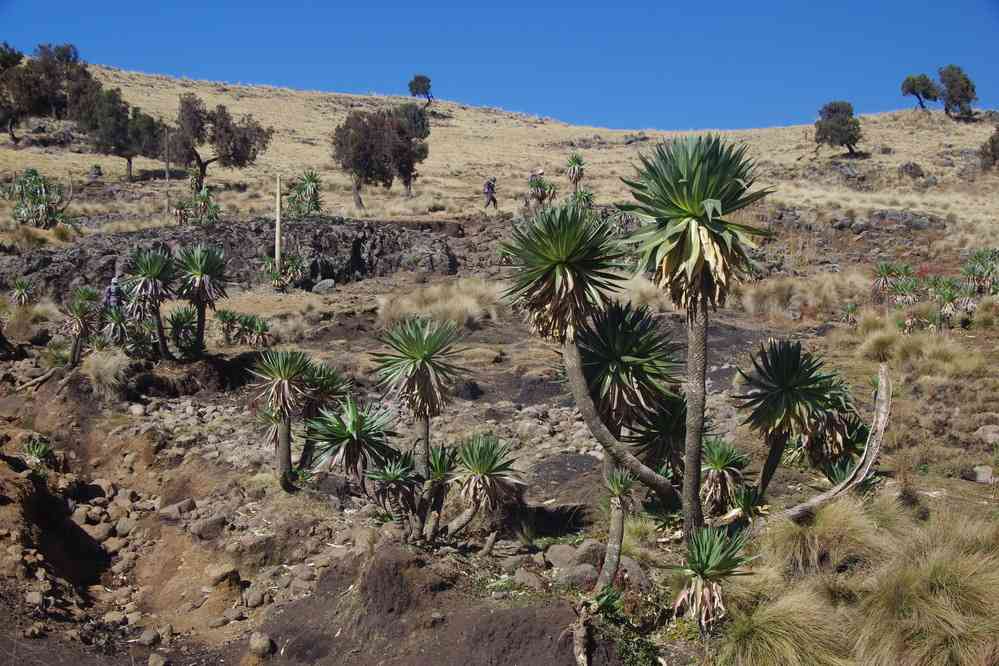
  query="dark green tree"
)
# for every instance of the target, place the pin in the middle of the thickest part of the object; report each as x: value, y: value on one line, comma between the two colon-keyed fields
x: 922, y: 87
x: 420, y: 87
x: 235, y: 143
x: 63, y: 77
x: 989, y: 152
x: 362, y: 146
x: 836, y: 126
x: 958, y: 92
x: 117, y: 130
x: 411, y: 127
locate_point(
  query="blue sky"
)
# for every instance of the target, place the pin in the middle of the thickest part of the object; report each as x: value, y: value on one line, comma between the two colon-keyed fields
x: 623, y: 64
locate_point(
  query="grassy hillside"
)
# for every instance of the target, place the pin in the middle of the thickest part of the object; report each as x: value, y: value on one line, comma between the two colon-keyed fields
x: 469, y: 144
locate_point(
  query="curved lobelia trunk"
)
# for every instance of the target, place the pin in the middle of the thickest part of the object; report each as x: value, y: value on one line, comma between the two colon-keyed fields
x: 76, y: 351
x: 128, y: 168
x: 424, y: 443
x: 615, y: 538
x: 697, y: 352
x: 309, y: 411
x: 620, y: 453
x: 463, y: 520
x: 284, y: 453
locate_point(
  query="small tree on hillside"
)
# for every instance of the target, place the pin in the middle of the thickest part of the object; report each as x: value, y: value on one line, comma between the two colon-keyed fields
x: 922, y: 87
x: 420, y: 87
x: 361, y: 147
x: 958, y: 92
x: 236, y: 144
x: 410, y: 127
x: 63, y: 78
x: 836, y: 126
x: 117, y: 130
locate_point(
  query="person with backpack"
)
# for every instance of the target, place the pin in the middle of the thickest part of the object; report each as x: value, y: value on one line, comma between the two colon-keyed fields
x: 489, y: 192
x: 114, y: 296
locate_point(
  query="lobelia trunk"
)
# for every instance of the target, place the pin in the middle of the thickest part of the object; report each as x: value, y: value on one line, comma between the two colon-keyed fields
x: 76, y: 352
x: 284, y: 453
x: 128, y: 168
x: 10, y: 130
x: 777, y: 443
x: 424, y: 443
x: 161, y: 340
x: 615, y: 538
x: 618, y: 452
x: 697, y: 351
x: 199, y: 340
x: 463, y: 520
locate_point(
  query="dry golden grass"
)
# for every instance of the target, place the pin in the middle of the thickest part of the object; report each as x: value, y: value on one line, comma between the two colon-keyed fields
x: 466, y: 301
x: 470, y: 144
x: 106, y: 372
x: 639, y: 290
x: 822, y: 295
x: 839, y: 535
x: 799, y: 628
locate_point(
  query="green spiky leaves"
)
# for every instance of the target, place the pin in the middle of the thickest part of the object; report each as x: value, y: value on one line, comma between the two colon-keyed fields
x: 628, y: 361
x: 203, y: 275
x: 354, y: 437
x: 687, y: 190
x: 485, y: 473
x: 420, y: 368
x: 284, y: 380
x: 566, y: 262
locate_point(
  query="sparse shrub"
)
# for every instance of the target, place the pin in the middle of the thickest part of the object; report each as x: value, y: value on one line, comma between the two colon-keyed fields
x: 467, y: 301
x: 638, y: 291
x: 361, y: 146
x: 836, y: 126
x: 821, y: 295
x: 182, y: 323
x: 106, y: 372
x: 56, y: 352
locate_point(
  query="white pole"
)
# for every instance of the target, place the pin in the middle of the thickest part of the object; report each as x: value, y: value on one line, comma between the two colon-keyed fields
x: 277, y: 225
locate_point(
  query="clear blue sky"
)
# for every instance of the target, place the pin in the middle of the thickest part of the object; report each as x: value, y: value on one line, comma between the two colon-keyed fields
x: 638, y: 65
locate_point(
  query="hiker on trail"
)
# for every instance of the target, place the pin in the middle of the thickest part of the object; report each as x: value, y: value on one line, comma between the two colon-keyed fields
x: 114, y: 296
x: 489, y: 192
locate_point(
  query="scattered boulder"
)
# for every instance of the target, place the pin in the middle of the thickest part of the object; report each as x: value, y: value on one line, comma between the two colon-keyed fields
x: 175, y: 511
x: 590, y: 551
x: 580, y: 577
x: 327, y: 286
x: 561, y: 555
x: 158, y: 660
x: 528, y: 579
x: 979, y: 474
x: 911, y: 169
x: 149, y: 637
x: 208, y: 528
x: 634, y: 576
x: 988, y: 434
x: 261, y: 645
x: 219, y: 572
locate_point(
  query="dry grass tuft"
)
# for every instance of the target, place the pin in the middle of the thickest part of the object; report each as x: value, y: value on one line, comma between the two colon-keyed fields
x: 639, y: 290
x: 840, y: 536
x: 797, y: 629
x: 822, y: 295
x: 106, y: 372
x: 879, y: 345
x: 467, y: 302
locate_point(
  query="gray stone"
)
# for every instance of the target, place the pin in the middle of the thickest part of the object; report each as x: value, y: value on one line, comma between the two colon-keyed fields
x: 124, y: 526
x: 34, y: 598
x: 634, y: 575
x: 158, y: 660
x: 208, y: 528
x: 979, y: 474
x: 261, y: 645
x: 219, y: 572
x: 528, y: 579
x: 114, y: 618
x: 175, y: 511
x: 580, y: 577
x: 99, y: 533
x: 114, y: 545
x: 234, y: 614
x: 560, y: 555
x: 590, y: 552
x: 137, y: 410
x: 327, y: 286
x: 303, y: 572
x: 255, y: 598
x: 218, y: 622
x: 149, y: 637
x: 989, y: 434
x: 510, y: 564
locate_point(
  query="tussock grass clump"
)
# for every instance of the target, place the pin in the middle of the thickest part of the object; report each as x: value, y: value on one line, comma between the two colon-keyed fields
x: 288, y: 330
x: 986, y: 313
x: 468, y: 302
x: 106, y: 372
x: 869, y: 321
x: 639, y: 290
x: 879, y: 345
x: 797, y: 629
x: 933, y: 606
x: 24, y: 319
x: 817, y: 295
x: 840, y: 536
x: 639, y: 536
